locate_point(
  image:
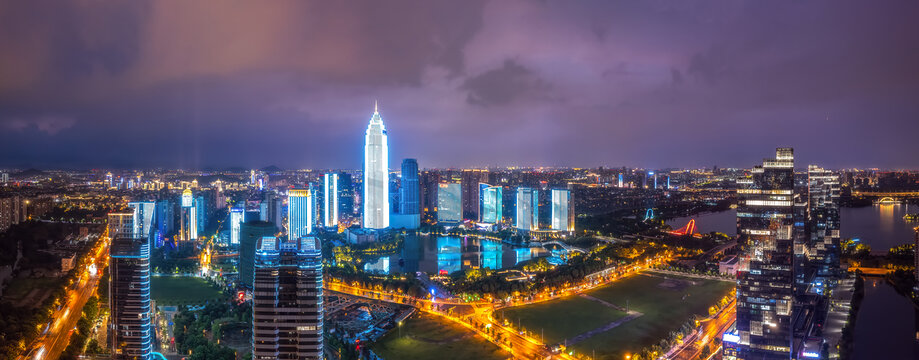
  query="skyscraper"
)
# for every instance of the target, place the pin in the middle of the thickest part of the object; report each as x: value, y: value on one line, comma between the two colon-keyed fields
x: 562, y: 210
x: 491, y: 200
x: 237, y: 216
x: 299, y: 213
x: 249, y: 235
x: 287, y: 302
x: 121, y: 224
x: 144, y: 213
x: 823, y: 222
x: 376, y: 174
x: 527, y: 209
x: 330, y: 205
x: 428, y: 184
x: 130, y: 328
x: 345, y: 196
x: 470, y: 180
x: 410, y: 193
x: 449, y: 203
x: 765, y: 293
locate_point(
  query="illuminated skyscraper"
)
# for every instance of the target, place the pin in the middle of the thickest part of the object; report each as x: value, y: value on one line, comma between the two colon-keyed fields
x: 449, y: 203
x: 562, y: 210
x: 527, y: 209
x: 345, y: 196
x: 409, y: 192
x: 765, y: 293
x: 823, y: 223
x: 491, y: 204
x: 428, y: 184
x: 299, y: 213
x: 121, y: 225
x: 330, y: 200
x: 376, y: 174
x: 249, y: 235
x: 130, y: 327
x: 287, y: 307
x: 144, y: 213
x: 237, y: 215
x: 471, y: 180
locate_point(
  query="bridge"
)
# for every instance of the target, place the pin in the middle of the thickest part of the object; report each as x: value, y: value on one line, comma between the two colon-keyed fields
x: 867, y: 271
x: 891, y: 194
x: 649, y: 214
x: 689, y: 229
x: 567, y: 247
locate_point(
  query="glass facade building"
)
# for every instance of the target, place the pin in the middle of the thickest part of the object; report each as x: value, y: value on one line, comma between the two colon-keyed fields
x: 299, y: 213
x: 250, y: 234
x: 527, y: 218
x: 330, y: 198
x: 376, y: 174
x: 131, y: 330
x: 409, y: 193
x: 562, y: 210
x: 823, y: 225
x: 237, y: 216
x: 449, y: 203
x: 491, y: 204
x: 765, y: 292
x: 287, y: 308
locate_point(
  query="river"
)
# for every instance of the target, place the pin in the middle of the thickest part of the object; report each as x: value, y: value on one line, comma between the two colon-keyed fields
x: 886, y: 325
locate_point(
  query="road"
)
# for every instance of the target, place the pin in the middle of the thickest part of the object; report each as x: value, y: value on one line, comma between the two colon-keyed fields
x: 711, y: 329
x: 55, y: 342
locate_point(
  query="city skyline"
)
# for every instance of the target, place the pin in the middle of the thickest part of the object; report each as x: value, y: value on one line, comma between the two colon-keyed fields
x: 631, y: 84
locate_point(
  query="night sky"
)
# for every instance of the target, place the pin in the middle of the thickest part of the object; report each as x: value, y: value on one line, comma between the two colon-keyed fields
x: 194, y: 84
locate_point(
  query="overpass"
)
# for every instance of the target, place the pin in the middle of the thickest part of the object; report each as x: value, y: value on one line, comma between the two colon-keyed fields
x: 567, y: 247
x: 891, y: 194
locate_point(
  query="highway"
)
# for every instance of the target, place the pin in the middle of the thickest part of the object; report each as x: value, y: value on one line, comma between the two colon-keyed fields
x: 711, y: 329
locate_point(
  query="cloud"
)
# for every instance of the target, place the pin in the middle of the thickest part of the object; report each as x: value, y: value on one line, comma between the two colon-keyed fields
x: 50, y: 125
x: 504, y: 85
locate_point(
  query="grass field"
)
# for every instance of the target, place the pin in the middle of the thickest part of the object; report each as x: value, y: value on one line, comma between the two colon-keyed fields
x: 424, y: 336
x: 562, y: 319
x: 30, y: 291
x: 666, y: 305
x: 174, y: 290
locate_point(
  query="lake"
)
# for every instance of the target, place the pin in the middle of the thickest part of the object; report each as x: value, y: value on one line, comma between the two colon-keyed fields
x: 886, y: 324
x: 447, y: 254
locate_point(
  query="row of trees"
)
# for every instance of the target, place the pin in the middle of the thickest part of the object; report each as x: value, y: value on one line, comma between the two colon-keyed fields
x: 407, y: 284
x: 80, y: 341
x: 196, y: 332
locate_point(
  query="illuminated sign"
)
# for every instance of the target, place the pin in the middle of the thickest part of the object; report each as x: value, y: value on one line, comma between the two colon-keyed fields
x: 730, y: 338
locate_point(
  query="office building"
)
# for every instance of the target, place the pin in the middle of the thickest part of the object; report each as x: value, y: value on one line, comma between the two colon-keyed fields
x: 330, y: 196
x: 345, y: 196
x: 237, y: 217
x: 130, y: 328
x: 409, y: 202
x: 270, y: 210
x: 250, y: 233
x: 4, y: 178
x: 121, y: 224
x: 376, y: 174
x: 562, y: 210
x: 491, y: 204
x: 823, y: 223
x: 299, y: 213
x: 428, y: 183
x: 449, y: 203
x: 470, y: 180
x: 287, y: 309
x: 765, y: 293
x: 527, y: 218
x: 144, y: 214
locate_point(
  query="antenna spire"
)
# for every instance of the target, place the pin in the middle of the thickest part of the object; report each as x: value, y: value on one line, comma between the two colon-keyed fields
x: 376, y: 106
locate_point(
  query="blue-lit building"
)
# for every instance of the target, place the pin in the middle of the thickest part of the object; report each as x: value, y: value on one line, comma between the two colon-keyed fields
x: 287, y: 308
x: 130, y: 328
x: 527, y: 218
x: 345, y: 195
x: 237, y: 217
x: 409, y: 190
x: 449, y: 204
x: 562, y: 210
x: 491, y: 203
x: 299, y: 213
x: 330, y: 196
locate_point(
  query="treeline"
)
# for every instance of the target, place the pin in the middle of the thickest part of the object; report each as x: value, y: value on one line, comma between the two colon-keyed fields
x: 407, y: 284
x: 197, y: 332
x: 80, y: 338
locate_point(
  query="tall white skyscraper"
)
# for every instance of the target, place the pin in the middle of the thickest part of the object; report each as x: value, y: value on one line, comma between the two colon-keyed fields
x: 299, y: 213
x: 527, y: 209
x: 376, y: 174
x: 236, y: 220
x: 330, y: 200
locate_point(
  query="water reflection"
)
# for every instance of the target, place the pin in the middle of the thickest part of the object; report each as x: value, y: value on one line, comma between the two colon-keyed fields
x: 885, y: 325
x: 880, y: 226
x: 448, y: 254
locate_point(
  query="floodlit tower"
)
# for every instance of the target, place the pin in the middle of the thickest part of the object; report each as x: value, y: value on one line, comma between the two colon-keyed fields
x: 376, y: 174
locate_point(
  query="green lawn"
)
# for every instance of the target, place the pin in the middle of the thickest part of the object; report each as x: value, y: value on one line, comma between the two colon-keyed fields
x: 562, y: 319
x: 424, y: 336
x: 173, y: 290
x: 664, y: 309
x: 18, y: 291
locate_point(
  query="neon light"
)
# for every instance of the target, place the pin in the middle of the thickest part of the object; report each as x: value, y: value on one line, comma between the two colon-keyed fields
x: 730, y: 338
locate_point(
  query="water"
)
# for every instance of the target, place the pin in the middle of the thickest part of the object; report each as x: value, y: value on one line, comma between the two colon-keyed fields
x: 881, y: 226
x: 723, y: 222
x: 886, y: 325
x: 448, y: 254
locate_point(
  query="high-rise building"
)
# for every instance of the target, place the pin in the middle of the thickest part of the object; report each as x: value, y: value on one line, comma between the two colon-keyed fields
x: 4, y: 178
x: 449, y: 203
x: 409, y: 202
x: 345, y: 196
x: 299, y: 213
x: 765, y: 293
x: 330, y: 198
x: 527, y: 209
x: 144, y: 213
x: 620, y: 180
x: 270, y: 210
x: 916, y: 256
x: 491, y: 200
x: 376, y: 174
x: 287, y: 309
x: 470, y: 180
x: 130, y: 328
x: 823, y: 223
x: 429, y: 182
x: 250, y: 233
x: 562, y: 210
x: 237, y: 216
x: 121, y: 224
